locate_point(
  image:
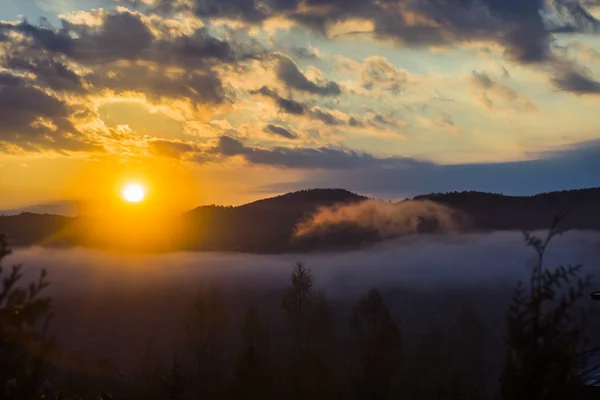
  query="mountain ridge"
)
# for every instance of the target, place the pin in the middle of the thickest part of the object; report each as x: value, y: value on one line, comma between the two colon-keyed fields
x: 268, y: 225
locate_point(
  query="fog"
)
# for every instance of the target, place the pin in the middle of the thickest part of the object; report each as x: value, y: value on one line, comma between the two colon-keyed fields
x: 110, y: 304
x: 389, y: 220
x: 418, y: 261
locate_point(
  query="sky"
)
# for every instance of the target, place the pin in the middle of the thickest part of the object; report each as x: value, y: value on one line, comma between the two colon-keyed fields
x: 228, y: 101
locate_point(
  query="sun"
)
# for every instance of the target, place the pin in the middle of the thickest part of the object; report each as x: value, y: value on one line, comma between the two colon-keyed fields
x: 133, y: 192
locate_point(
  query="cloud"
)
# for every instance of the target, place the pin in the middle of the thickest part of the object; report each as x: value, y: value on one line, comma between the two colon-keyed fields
x: 517, y: 24
x: 575, y: 79
x: 379, y: 75
x: 494, y: 94
x: 325, y: 117
x: 121, y: 36
x: 66, y: 72
x: 199, y: 87
x: 281, y: 131
x: 123, y: 46
x: 442, y: 122
x: 170, y: 148
x: 384, y: 219
x: 293, y: 107
x: 33, y: 120
x: 289, y: 106
x: 305, y: 157
x: 49, y: 72
x: 289, y: 74
x: 571, y: 167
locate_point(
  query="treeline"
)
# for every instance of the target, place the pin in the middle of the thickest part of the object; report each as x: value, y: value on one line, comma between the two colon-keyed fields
x: 312, y: 355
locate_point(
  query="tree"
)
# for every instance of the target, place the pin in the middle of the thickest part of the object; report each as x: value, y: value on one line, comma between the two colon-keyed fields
x: 206, y: 331
x: 546, y: 329
x: 311, y: 373
x: 378, y: 342
x: 298, y: 302
x: 254, y: 378
x: 468, y: 343
x: 173, y: 383
x: 24, y: 342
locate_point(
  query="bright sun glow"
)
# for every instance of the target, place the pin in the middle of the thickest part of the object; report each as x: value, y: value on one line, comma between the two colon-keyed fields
x: 133, y: 193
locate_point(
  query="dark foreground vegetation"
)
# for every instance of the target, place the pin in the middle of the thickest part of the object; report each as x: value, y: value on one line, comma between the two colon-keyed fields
x: 313, y: 356
x: 269, y: 225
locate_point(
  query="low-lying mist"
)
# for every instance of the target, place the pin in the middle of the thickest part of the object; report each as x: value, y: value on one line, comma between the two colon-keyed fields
x: 111, y: 304
x: 388, y: 220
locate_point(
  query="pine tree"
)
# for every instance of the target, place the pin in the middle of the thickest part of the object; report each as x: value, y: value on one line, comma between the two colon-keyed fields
x: 311, y: 372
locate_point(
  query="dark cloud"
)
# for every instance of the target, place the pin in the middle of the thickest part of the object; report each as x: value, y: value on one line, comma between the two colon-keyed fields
x: 289, y: 106
x: 294, y: 107
x: 199, y: 87
x: 49, y: 72
x: 574, y: 167
x: 574, y: 79
x: 124, y: 36
x: 482, y: 79
x: 325, y: 117
x: 293, y: 78
x: 34, y: 120
x: 383, y: 120
x: 517, y: 24
x: 194, y: 51
x: 229, y: 146
x: 303, y: 52
x: 354, y: 122
x: 281, y: 131
x: 307, y: 158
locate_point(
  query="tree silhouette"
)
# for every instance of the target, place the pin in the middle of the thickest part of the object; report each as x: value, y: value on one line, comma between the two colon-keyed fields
x: 206, y: 332
x: 546, y: 329
x: 311, y: 373
x: 468, y: 346
x: 173, y: 383
x: 253, y: 376
x: 24, y: 342
x: 377, y: 340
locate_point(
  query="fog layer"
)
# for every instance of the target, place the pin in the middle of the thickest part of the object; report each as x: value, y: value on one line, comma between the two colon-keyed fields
x: 110, y: 304
x: 418, y: 261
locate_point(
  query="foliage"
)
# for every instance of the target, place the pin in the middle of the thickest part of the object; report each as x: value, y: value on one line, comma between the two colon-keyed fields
x: 24, y: 343
x: 546, y: 329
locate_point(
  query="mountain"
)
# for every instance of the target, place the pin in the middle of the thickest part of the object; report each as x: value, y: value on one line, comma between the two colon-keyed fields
x: 262, y: 226
x: 489, y: 211
x: 268, y: 225
x: 64, y: 208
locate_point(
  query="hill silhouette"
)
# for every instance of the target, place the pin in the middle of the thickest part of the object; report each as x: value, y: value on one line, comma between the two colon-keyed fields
x: 268, y: 225
x: 492, y: 211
